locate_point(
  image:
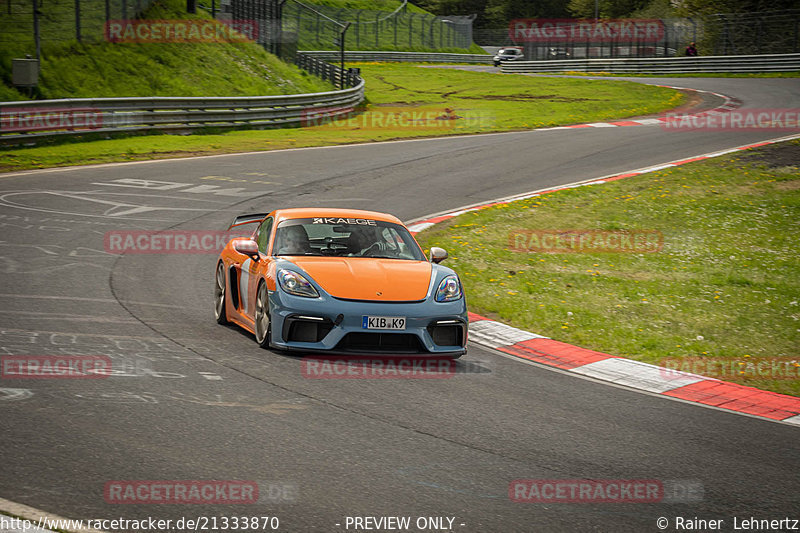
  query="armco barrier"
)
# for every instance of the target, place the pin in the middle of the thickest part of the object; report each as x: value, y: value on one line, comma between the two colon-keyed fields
x: 657, y: 65
x: 34, y: 119
x: 413, y: 57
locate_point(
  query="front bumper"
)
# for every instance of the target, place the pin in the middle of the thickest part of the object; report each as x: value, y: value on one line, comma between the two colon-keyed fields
x: 333, y: 325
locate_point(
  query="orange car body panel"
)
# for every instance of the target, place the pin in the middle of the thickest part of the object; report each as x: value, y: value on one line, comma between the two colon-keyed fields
x: 365, y: 278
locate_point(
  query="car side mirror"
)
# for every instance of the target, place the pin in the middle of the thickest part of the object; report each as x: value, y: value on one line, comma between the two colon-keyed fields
x: 247, y: 247
x: 438, y: 254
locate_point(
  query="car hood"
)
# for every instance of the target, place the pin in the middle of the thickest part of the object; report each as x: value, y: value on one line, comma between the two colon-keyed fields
x: 364, y: 278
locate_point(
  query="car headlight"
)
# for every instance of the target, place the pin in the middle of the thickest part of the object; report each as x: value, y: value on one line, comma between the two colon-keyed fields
x: 296, y: 284
x: 449, y: 289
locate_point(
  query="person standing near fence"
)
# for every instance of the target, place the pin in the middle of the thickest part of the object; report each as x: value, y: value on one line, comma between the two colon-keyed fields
x: 691, y: 50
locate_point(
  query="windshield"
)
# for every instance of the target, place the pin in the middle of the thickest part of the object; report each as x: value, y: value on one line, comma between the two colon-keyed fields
x: 345, y: 237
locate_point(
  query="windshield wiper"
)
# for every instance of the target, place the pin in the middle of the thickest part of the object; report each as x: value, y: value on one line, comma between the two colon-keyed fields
x: 304, y: 253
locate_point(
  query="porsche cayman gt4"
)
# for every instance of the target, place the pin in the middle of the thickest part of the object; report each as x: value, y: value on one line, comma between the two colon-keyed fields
x: 339, y: 280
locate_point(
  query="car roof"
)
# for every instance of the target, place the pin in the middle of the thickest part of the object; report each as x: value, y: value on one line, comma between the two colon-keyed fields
x: 311, y: 212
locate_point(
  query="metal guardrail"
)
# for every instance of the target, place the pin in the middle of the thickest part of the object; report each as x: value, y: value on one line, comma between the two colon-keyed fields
x: 415, y: 57
x: 31, y: 120
x: 675, y: 65
x: 327, y: 71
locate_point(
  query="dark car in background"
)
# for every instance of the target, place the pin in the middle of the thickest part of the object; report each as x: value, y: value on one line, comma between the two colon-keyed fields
x: 508, y: 53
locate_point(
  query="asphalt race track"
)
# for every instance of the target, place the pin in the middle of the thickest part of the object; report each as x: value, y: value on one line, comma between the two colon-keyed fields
x: 205, y: 403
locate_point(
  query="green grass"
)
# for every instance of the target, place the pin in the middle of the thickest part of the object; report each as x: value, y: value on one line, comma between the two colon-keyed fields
x: 179, y: 69
x: 73, y: 70
x: 725, y: 286
x: 486, y: 102
x: 690, y: 74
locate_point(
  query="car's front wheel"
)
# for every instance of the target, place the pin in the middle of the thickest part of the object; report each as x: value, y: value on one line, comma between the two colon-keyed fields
x: 263, y: 325
x: 219, y: 296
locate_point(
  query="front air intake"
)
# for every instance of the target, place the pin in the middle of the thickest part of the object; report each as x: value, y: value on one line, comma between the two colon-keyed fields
x: 380, y: 342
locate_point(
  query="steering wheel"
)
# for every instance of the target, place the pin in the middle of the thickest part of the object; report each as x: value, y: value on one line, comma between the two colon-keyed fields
x: 379, y: 248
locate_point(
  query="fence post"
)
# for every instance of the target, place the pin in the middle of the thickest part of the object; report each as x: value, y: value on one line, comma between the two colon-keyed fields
x: 299, y: 29
x: 339, y: 18
x: 410, y: 27
x: 377, y: 29
x: 36, y: 36
x: 78, y: 20
x: 396, y: 16
x: 342, y: 37
x: 108, y: 10
x: 358, y: 29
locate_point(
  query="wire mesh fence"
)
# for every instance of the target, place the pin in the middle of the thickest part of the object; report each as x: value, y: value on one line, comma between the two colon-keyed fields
x: 319, y: 29
x: 769, y: 32
x: 604, y: 39
x: 61, y: 20
x: 311, y: 27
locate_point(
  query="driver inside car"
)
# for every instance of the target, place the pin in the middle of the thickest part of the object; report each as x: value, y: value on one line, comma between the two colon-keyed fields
x: 363, y: 242
x: 293, y: 240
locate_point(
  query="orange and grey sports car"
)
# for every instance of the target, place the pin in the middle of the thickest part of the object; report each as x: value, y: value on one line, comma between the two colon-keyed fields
x: 339, y: 280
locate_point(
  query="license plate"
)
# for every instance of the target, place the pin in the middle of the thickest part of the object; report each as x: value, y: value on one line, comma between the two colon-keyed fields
x: 383, y: 322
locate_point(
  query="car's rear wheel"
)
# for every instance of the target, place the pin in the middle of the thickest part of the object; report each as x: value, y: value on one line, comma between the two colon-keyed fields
x: 263, y: 326
x: 220, y: 296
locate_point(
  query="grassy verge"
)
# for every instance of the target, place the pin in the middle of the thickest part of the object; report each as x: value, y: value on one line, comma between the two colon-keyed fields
x: 478, y: 102
x: 84, y: 70
x: 724, y: 288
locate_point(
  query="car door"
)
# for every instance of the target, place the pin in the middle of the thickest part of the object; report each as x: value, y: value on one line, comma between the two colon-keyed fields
x: 250, y: 269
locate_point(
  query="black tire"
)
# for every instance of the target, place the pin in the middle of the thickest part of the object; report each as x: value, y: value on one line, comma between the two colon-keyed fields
x: 220, y: 295
x: 263, y: 325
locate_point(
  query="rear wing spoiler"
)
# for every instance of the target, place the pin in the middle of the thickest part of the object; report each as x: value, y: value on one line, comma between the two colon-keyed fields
x: 247, y: 219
